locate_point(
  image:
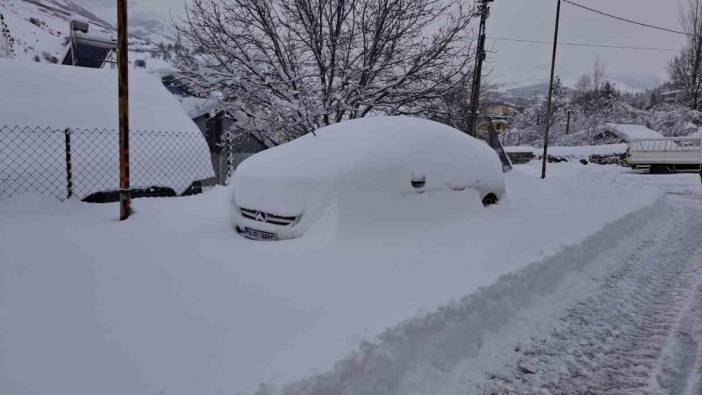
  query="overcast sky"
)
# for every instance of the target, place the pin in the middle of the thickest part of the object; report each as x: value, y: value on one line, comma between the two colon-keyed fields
x: 533, y: 20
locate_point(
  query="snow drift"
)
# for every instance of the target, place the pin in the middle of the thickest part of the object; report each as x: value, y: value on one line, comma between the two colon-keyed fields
x: 40, y: 101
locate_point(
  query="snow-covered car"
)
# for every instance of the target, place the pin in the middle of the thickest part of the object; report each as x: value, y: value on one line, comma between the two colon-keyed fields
x: 281, y: 192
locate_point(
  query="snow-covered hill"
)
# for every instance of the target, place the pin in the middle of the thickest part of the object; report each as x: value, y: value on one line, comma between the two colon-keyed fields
x: 151, y: 27
x: 40, y: 28
x: 537, y: 87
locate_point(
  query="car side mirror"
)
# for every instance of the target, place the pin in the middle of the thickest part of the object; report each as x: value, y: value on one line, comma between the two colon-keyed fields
x: 418, y: 182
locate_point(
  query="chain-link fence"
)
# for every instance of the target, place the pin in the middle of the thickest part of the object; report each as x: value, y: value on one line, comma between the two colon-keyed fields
x: 67, y: 163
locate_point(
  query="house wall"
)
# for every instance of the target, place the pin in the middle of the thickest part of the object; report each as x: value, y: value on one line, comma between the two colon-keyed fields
x: 607, y: 137
x: 225, y: 159
x: 244, y: 146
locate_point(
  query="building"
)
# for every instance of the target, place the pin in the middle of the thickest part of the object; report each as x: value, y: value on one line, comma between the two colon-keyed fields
x: 500, y: 113
x: 624, y: 133
x: 219, y: 127
x: 245, y: 145
x: 671, y: 96
x: 214, y: 125
x: 92, y: 50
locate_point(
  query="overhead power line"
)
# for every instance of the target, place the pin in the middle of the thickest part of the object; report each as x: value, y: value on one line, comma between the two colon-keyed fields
x: 591, y: 45
x: 619, y: 18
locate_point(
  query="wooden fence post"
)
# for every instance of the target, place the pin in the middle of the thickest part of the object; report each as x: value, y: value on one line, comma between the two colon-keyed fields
x: 125, y: 199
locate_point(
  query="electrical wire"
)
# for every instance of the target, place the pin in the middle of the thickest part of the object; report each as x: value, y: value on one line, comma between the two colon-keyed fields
x: 665, y: 29
x: 573, y: 44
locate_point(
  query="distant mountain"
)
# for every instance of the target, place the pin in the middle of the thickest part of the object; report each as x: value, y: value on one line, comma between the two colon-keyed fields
x: 636, y: 82
x: 528, y: 89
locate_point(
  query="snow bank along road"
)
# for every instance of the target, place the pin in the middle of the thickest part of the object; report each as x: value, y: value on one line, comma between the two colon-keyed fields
x: 620, y: 313
x: 173, y: 302
x: 640, y: 332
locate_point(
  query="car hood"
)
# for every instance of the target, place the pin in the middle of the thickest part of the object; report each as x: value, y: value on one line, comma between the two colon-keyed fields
x: 285, y: 196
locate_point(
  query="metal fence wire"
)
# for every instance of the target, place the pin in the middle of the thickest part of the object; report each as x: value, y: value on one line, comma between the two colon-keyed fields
x: 84, y: 164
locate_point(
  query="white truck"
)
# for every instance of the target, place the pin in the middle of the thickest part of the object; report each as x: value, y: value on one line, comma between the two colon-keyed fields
x: 666, y: 155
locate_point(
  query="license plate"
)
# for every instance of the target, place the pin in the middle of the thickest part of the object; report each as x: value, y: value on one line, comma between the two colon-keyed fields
x: 259, y: 235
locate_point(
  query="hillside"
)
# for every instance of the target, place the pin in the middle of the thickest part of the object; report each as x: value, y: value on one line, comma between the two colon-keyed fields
x: 532, y: 88
x: 40, y: 29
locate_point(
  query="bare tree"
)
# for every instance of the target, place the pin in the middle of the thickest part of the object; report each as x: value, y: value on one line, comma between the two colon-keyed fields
x: 453, y: 107
x: 685, y: 67
x: 292, y: 66
x: 592, y: 79
x: 599, y: 74
x: 594, y: 97
x: 584, y: 83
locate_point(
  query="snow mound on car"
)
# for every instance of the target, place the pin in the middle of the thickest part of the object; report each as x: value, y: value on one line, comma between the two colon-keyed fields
x: 365, y: 155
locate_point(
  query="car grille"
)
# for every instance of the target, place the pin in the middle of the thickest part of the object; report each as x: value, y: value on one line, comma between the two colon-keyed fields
x: 262, y: 216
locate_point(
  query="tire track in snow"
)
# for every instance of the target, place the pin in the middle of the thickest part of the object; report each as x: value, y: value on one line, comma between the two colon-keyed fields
x: 681, y: 369
x: 639, y: 335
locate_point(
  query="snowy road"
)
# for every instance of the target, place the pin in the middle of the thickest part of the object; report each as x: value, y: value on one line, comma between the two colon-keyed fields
x: 626, y: 319
x: 640, y: 333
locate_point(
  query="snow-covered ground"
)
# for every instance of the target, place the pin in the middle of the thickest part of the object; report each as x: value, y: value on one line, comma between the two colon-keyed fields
x: 637, y: 329
x: 173, y: 301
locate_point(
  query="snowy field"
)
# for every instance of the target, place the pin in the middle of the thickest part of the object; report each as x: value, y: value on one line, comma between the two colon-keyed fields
x: 175, y: 302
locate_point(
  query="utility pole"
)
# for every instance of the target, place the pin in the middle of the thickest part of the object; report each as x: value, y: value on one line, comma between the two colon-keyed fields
x: 484, y: 12
x: 123, y: 82
x: 549, y: 106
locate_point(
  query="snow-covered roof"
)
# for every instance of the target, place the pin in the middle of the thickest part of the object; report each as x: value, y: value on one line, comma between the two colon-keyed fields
x: 630, y: 131
x: 48, y: 95
x: 197, y: 106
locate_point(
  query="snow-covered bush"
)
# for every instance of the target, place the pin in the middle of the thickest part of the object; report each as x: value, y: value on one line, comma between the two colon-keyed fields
x: 589, y: 113
x: 673, y: 120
